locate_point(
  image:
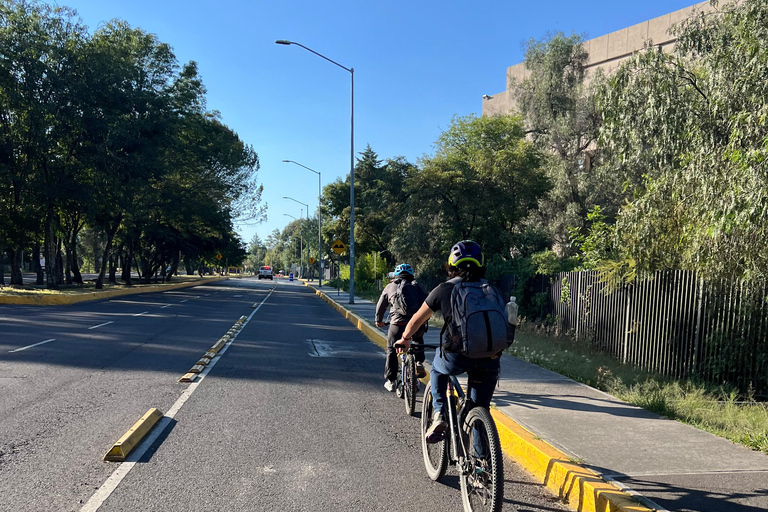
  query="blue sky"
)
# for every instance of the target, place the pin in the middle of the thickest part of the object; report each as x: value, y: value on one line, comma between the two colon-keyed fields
x: 417, y: 64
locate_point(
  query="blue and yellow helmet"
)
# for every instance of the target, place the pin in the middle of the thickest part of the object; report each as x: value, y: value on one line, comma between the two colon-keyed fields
x: 465, y: 254
x: 403, y: 268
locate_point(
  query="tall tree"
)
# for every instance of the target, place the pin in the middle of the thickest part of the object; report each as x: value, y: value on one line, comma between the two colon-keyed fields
x: 686, y: 130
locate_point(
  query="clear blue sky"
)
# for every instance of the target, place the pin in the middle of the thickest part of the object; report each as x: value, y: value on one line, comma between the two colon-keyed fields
x: 417, y: 63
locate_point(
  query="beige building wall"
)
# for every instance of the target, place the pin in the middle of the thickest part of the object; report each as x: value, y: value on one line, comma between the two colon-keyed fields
x: 605, y: 52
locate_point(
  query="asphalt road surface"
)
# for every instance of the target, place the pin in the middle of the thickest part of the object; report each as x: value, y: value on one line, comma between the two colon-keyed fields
x: 292, y: 416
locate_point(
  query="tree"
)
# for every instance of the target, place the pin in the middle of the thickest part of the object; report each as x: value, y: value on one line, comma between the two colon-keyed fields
x: 482, y: 182
x: 557, y: 104
x: 686, y: 130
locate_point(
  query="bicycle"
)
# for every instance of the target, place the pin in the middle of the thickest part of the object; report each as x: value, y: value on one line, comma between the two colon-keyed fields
x: 407, y: 382
x: 480, y: 464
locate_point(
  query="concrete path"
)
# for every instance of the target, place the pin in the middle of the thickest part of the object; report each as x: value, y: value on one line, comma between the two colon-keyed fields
x: 601, y: 443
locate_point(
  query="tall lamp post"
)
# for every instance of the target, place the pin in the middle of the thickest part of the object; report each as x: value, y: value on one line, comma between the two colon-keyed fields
x: 351, y: 167
x: 302, y: 254
x: 319, y: 236
x: 301, y: 244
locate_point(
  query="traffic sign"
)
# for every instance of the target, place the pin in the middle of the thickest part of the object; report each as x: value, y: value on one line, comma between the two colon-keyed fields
x: 219, y: 256
x: 312, y: 261
x: 338, y: 246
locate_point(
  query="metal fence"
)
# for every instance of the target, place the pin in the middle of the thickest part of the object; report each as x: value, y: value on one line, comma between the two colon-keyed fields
x: 674, y: 324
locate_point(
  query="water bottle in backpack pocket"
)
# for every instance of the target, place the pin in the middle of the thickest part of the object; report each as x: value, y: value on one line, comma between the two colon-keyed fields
x: 479, y: 318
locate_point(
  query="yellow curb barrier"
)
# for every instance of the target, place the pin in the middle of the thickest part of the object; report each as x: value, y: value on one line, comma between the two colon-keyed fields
x: 582, y: 488
x: 210, y: 354
x: 197, y: 368
x: 65, y: 300
x: 203, y: 361
x: 135, y: 434
x: 188, y: 377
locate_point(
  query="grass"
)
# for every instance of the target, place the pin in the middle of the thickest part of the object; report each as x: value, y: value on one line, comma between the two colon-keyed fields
x: 720, y: 411
x: 86, y: 287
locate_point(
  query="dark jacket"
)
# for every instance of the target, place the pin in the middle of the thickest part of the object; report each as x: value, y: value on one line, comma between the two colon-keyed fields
x: 385, y: 301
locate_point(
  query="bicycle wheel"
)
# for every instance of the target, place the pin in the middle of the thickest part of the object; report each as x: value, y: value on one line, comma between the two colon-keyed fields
x: 482, y: 478
x: 410, y: 385
x: 435, y: 454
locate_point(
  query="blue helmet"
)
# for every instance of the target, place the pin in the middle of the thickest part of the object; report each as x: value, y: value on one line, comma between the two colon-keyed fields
x: 403, y: 268
x: 465, y: 254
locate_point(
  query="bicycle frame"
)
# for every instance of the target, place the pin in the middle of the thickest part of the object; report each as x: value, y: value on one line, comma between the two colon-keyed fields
x: 459, y: 405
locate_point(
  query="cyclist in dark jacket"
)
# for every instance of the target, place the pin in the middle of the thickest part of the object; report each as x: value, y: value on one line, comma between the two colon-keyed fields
x: 466, y: 260
x: 398, y: 320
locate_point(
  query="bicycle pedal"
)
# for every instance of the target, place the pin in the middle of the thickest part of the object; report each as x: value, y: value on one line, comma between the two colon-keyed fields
x: 435, y: 437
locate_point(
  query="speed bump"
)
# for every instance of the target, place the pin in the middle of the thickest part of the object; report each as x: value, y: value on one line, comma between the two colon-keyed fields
x: 188, y: 377
x: 135, y: 434
x: 197, y: 368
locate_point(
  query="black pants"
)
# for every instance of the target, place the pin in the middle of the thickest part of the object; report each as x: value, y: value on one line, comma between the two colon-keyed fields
x: 394, y: 334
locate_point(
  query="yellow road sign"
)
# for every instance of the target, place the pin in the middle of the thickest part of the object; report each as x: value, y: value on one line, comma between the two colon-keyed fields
x: 312, y: 261
x: 219, y: 256
x: 338, y: 247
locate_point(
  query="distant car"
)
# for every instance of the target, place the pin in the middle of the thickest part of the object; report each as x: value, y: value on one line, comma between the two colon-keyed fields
x: 265, y: 272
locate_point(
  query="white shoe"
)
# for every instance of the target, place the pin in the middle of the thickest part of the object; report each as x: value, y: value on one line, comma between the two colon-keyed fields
x: 389, y: 385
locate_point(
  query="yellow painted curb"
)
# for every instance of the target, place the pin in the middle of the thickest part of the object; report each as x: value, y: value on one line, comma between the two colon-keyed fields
x: 584, y: 489
x: 135, y: 434
x: 65, y: 300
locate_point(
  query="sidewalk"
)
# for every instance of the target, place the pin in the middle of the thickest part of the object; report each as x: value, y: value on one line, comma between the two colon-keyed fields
x: 600, y: 453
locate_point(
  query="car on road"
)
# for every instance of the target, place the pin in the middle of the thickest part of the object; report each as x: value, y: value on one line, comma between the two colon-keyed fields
x: 265, y: 272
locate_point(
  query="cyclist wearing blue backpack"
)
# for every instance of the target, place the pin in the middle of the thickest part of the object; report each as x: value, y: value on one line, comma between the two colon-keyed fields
x: 475, y: 334
x: 403, y: 296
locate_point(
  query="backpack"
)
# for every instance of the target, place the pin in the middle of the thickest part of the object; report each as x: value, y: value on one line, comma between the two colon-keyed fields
x: 479, y: 319
x: 407, y: 299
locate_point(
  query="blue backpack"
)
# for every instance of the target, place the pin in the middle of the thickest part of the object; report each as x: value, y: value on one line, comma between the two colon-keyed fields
x: 479, y: 318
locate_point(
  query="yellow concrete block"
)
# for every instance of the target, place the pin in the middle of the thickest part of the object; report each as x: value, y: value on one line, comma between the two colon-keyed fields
x: 197, y: 368
x: 210, y: 355
x: 203, y: 361
x: 188, y: 377
x: 135, y: 434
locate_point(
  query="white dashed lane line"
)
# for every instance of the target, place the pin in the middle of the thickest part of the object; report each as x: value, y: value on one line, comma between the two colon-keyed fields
x: 101, y: 325
x: 33, y: 345
x: 142, y: 313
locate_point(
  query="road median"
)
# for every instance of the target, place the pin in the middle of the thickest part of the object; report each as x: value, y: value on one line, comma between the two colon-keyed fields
x: 63, y: 299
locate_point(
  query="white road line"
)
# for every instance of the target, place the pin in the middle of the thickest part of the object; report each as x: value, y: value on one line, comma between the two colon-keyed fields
x: 166, y: 306
x: 101, y: 325
x: 142, y: 313
x: 185, y: 300
x: 34, y: 345
x: 104, y: 492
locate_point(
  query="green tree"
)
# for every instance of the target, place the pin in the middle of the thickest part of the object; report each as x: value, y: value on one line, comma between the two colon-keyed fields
x: 482, y: 182
x: 686, y: 131
x: 558, y: 108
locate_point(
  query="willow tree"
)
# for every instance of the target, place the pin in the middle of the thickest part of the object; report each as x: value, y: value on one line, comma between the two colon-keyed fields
x: 687, y: 131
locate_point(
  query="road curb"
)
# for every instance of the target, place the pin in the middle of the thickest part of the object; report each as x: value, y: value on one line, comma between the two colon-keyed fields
x: 582, y: 488
x: 65, y: 300
x: 133, y: 437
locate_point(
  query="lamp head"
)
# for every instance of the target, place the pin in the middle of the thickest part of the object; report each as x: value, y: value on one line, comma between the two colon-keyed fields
x: 283, y: 41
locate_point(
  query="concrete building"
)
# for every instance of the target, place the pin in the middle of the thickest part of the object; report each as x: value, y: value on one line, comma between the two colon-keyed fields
x: 605, y: 52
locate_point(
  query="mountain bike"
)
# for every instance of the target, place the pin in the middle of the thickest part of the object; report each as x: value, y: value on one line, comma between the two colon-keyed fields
x: 471, y: 443
x: 407, y: 382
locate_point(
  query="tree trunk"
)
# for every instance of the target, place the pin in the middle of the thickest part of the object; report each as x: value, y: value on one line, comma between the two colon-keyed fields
x: 2, y: 267
x: 14, y: 259
x: 128, y: 263
x: 113, y: 269
x: 107, y: 249
x: 68, y: 266
x: 38, y: 267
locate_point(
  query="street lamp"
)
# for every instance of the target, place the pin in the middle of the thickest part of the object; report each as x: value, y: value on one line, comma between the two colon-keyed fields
x: 351, y: 166
x: 319, y: 236
x: 302, y: 254
x: 301, y: 245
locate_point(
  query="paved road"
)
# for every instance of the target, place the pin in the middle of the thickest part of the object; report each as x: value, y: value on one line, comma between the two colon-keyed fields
x: 291, y: 417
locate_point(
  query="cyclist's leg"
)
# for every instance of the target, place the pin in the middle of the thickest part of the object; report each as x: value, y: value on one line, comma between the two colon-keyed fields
x: 418, y: 339
x: 483, y: 376
x: 390, y: 365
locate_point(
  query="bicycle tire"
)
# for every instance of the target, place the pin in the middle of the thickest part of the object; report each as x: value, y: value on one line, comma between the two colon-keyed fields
x: 482, y: 480
x: 435, y: 454
x: 410, y: 385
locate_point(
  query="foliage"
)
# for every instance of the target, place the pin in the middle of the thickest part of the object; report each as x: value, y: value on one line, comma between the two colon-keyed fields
x: 686, y: 131
x: 558, y: 108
